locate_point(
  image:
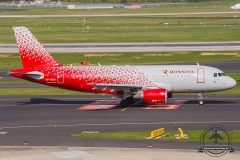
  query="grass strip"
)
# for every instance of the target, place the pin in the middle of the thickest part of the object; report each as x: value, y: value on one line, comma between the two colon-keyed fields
x: 235, y: 76
x: 194, y: 136
x: 230, y: 91
x: 12, y: 61
x: 187, y: 28
x: 38, y: 91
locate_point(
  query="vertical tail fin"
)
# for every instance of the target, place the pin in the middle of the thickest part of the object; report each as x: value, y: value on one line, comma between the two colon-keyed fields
x: 31, y: 51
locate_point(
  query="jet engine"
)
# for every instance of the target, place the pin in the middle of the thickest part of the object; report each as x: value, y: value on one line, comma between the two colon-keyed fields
x: 155, y: 96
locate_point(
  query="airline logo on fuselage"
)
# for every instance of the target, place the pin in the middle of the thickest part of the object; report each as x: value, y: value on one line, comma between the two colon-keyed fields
x: 177, y: 71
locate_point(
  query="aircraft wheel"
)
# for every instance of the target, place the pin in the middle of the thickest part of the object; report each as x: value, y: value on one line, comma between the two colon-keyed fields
x: 130, y: 100
x: 123, y: 103
x: 201, y: 102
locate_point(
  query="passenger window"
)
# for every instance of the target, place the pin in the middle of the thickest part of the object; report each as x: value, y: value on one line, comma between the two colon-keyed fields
x: 215, y: 75
x: 219, y: 74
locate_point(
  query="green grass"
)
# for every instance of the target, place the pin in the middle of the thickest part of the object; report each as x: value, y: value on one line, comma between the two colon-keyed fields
x: 230, y: 91
x: 13, y: 61
x: 38, y: 91
x: 235, y: 76
x: 125, y: 29
x: 194, y: 135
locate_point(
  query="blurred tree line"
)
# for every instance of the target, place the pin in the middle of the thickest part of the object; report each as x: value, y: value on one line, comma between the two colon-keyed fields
x: 126, y: 1
x: 114, y: 1
x: 141, y: 1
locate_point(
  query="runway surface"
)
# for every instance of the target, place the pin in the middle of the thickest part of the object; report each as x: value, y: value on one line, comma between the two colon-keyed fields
x: 116, y: 15
x: 132, y: 47
x: 48, y: 120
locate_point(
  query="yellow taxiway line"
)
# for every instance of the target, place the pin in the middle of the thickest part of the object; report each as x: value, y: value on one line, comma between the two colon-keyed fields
x: 130, y: 106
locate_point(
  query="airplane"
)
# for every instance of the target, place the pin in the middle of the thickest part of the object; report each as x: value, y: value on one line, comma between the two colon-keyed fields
x: 236, y: 7
x: 215, y: 136
x: 154, y: 84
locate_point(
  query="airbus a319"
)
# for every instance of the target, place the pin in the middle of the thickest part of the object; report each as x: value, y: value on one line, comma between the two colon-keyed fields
x: 154, y: 84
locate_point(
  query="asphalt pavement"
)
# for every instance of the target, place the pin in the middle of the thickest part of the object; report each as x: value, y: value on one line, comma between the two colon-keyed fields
x: 48, y: 120
x: 131, y: 47
x: 116, y: 15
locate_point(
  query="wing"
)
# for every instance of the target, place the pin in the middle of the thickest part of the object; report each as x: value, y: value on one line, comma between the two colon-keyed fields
x: 128, y: 88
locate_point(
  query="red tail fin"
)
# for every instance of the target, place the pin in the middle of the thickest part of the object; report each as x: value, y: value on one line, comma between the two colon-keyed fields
x: 31, y: 51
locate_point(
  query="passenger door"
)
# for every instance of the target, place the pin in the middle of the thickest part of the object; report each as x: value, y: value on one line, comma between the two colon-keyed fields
x: 200, y: 75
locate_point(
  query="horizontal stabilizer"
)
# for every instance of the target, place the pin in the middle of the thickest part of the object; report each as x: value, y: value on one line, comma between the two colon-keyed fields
x: 34, y: 74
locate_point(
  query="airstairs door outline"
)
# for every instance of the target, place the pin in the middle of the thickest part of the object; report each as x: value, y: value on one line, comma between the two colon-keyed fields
x: 200, y: 75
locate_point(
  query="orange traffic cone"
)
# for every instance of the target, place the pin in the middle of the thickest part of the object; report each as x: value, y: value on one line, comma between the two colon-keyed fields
x: 150, y: 146
x: 25, y: 143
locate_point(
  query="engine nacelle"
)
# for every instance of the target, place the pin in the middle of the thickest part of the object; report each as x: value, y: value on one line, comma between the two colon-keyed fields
x: 155, y: 96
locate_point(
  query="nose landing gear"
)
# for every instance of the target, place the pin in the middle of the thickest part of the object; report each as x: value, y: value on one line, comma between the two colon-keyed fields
x: 200, y: 97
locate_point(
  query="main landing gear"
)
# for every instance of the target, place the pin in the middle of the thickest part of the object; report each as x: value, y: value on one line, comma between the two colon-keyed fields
x: 126, y: 102
x: 200, y: 97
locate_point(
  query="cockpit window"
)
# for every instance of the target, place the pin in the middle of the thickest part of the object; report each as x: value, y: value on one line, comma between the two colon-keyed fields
x: 215, y: 75
x: 219, y: 74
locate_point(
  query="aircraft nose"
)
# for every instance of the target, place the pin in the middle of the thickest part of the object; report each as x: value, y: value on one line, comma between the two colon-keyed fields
x: 231, y: 83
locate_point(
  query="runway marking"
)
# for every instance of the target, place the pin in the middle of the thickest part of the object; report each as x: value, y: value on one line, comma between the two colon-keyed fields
x: 172, y: 104
x: 100, y: 105
x: 113, y: 124
x: 130, y: 106
x: 3, y: 133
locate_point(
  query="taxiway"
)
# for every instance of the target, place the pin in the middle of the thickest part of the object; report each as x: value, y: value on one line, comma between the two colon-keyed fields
x: 48, y: 120
x: 131, y: 47
x: 116, y: 15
